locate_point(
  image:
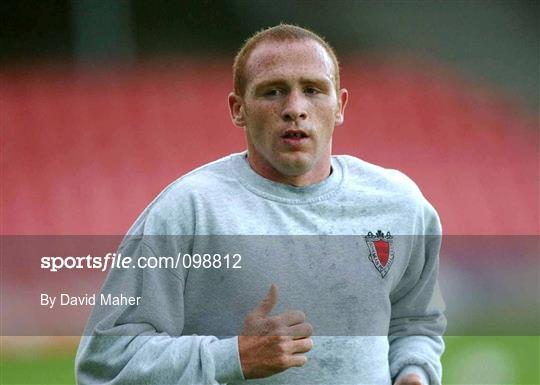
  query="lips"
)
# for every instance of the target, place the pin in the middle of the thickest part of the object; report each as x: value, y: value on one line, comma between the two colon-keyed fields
x: 294, y: 134
x: 295, y: 139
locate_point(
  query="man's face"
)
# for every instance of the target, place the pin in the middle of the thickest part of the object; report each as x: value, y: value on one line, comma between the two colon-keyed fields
x: 289, y: 110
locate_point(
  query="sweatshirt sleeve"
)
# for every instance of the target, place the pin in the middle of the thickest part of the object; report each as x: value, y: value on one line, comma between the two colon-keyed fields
x: 417, y: 321
x: 144, y: 344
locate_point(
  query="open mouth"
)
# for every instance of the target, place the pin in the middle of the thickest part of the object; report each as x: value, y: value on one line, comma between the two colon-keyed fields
x: 294, y: 134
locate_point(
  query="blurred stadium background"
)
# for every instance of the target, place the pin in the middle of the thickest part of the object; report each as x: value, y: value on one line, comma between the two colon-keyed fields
x: 103, y: 103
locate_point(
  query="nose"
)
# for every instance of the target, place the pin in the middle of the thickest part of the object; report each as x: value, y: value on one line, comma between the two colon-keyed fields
x: 294, y: 108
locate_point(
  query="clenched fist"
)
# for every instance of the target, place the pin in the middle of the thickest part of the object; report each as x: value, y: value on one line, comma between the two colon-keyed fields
x: 271, y: 344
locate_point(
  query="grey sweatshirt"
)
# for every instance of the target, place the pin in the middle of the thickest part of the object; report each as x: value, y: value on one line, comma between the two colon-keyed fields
x: 357, y: 252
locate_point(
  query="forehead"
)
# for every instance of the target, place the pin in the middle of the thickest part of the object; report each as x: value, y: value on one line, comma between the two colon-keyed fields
x: 289, y: 59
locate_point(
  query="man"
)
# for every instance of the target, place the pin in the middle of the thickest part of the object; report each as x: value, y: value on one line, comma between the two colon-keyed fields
x: 367, y: 309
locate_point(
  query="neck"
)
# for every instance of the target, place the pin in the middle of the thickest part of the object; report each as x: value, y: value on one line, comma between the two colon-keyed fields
x: 316, y: 174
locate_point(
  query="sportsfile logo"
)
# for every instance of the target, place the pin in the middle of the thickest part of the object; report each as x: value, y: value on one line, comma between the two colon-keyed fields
x: 117, y: 261
x: 112, y: 260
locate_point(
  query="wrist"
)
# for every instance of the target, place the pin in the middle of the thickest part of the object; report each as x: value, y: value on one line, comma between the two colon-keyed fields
x: 226, y: 360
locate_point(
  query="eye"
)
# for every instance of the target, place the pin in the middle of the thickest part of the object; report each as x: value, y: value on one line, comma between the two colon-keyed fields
x: 311, y: 90
x: 273, y: 92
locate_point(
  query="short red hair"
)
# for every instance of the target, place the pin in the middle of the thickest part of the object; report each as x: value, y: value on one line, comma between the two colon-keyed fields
x: 279, y: 33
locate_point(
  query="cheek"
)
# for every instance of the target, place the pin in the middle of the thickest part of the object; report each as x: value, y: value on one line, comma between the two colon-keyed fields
x: 264, y: 118
x: 266, y: 113
x: 329, y: 116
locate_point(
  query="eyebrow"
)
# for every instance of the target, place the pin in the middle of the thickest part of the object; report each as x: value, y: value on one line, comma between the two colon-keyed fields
x: 303, y: 80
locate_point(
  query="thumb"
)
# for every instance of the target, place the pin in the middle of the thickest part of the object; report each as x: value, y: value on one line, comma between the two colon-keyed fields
x: 267, y: 304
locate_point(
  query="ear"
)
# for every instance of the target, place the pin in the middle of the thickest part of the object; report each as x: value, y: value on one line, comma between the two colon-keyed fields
x: 236, y: 107
x: 343, y: 96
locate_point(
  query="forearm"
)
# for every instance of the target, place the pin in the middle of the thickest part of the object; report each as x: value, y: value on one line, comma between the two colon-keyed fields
x: 157, y: 359
x: 418, y: 321
x: 145, y: 344
x: 417, y: 351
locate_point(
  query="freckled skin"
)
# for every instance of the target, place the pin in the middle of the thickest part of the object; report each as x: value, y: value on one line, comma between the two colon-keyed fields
x: 290, y: 85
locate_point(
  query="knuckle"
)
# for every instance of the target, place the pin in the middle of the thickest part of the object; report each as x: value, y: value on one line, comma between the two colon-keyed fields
x: 282, y: 339
x: 283, y: 361
x: 301, y: 360
x: 273, y: 322
x: 281, y: 348
x: 277, y: 342
x: 269, y: 326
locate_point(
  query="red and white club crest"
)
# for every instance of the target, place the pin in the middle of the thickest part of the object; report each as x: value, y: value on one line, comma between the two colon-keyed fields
x: 381, y: 251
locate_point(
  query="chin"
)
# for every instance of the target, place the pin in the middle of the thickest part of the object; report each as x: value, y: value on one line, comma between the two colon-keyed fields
x: 295, y: 165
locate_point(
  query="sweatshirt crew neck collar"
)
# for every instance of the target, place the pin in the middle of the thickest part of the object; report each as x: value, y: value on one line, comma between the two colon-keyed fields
x: 285, y: 193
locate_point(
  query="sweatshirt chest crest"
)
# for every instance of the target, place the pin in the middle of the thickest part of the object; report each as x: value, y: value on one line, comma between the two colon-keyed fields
x: 381, y: 250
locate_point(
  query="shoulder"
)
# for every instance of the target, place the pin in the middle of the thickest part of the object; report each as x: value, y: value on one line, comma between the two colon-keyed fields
x: 204, y: 179
x: 370, y: 176
x: 390, y: 187
x: 172, y: 210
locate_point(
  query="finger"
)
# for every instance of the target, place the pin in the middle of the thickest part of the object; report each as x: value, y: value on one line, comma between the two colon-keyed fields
x: 300, y: 331
x: 267, y: 304
x: 302, y: 346
x: 297, y: 360
x: 293, y: 317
